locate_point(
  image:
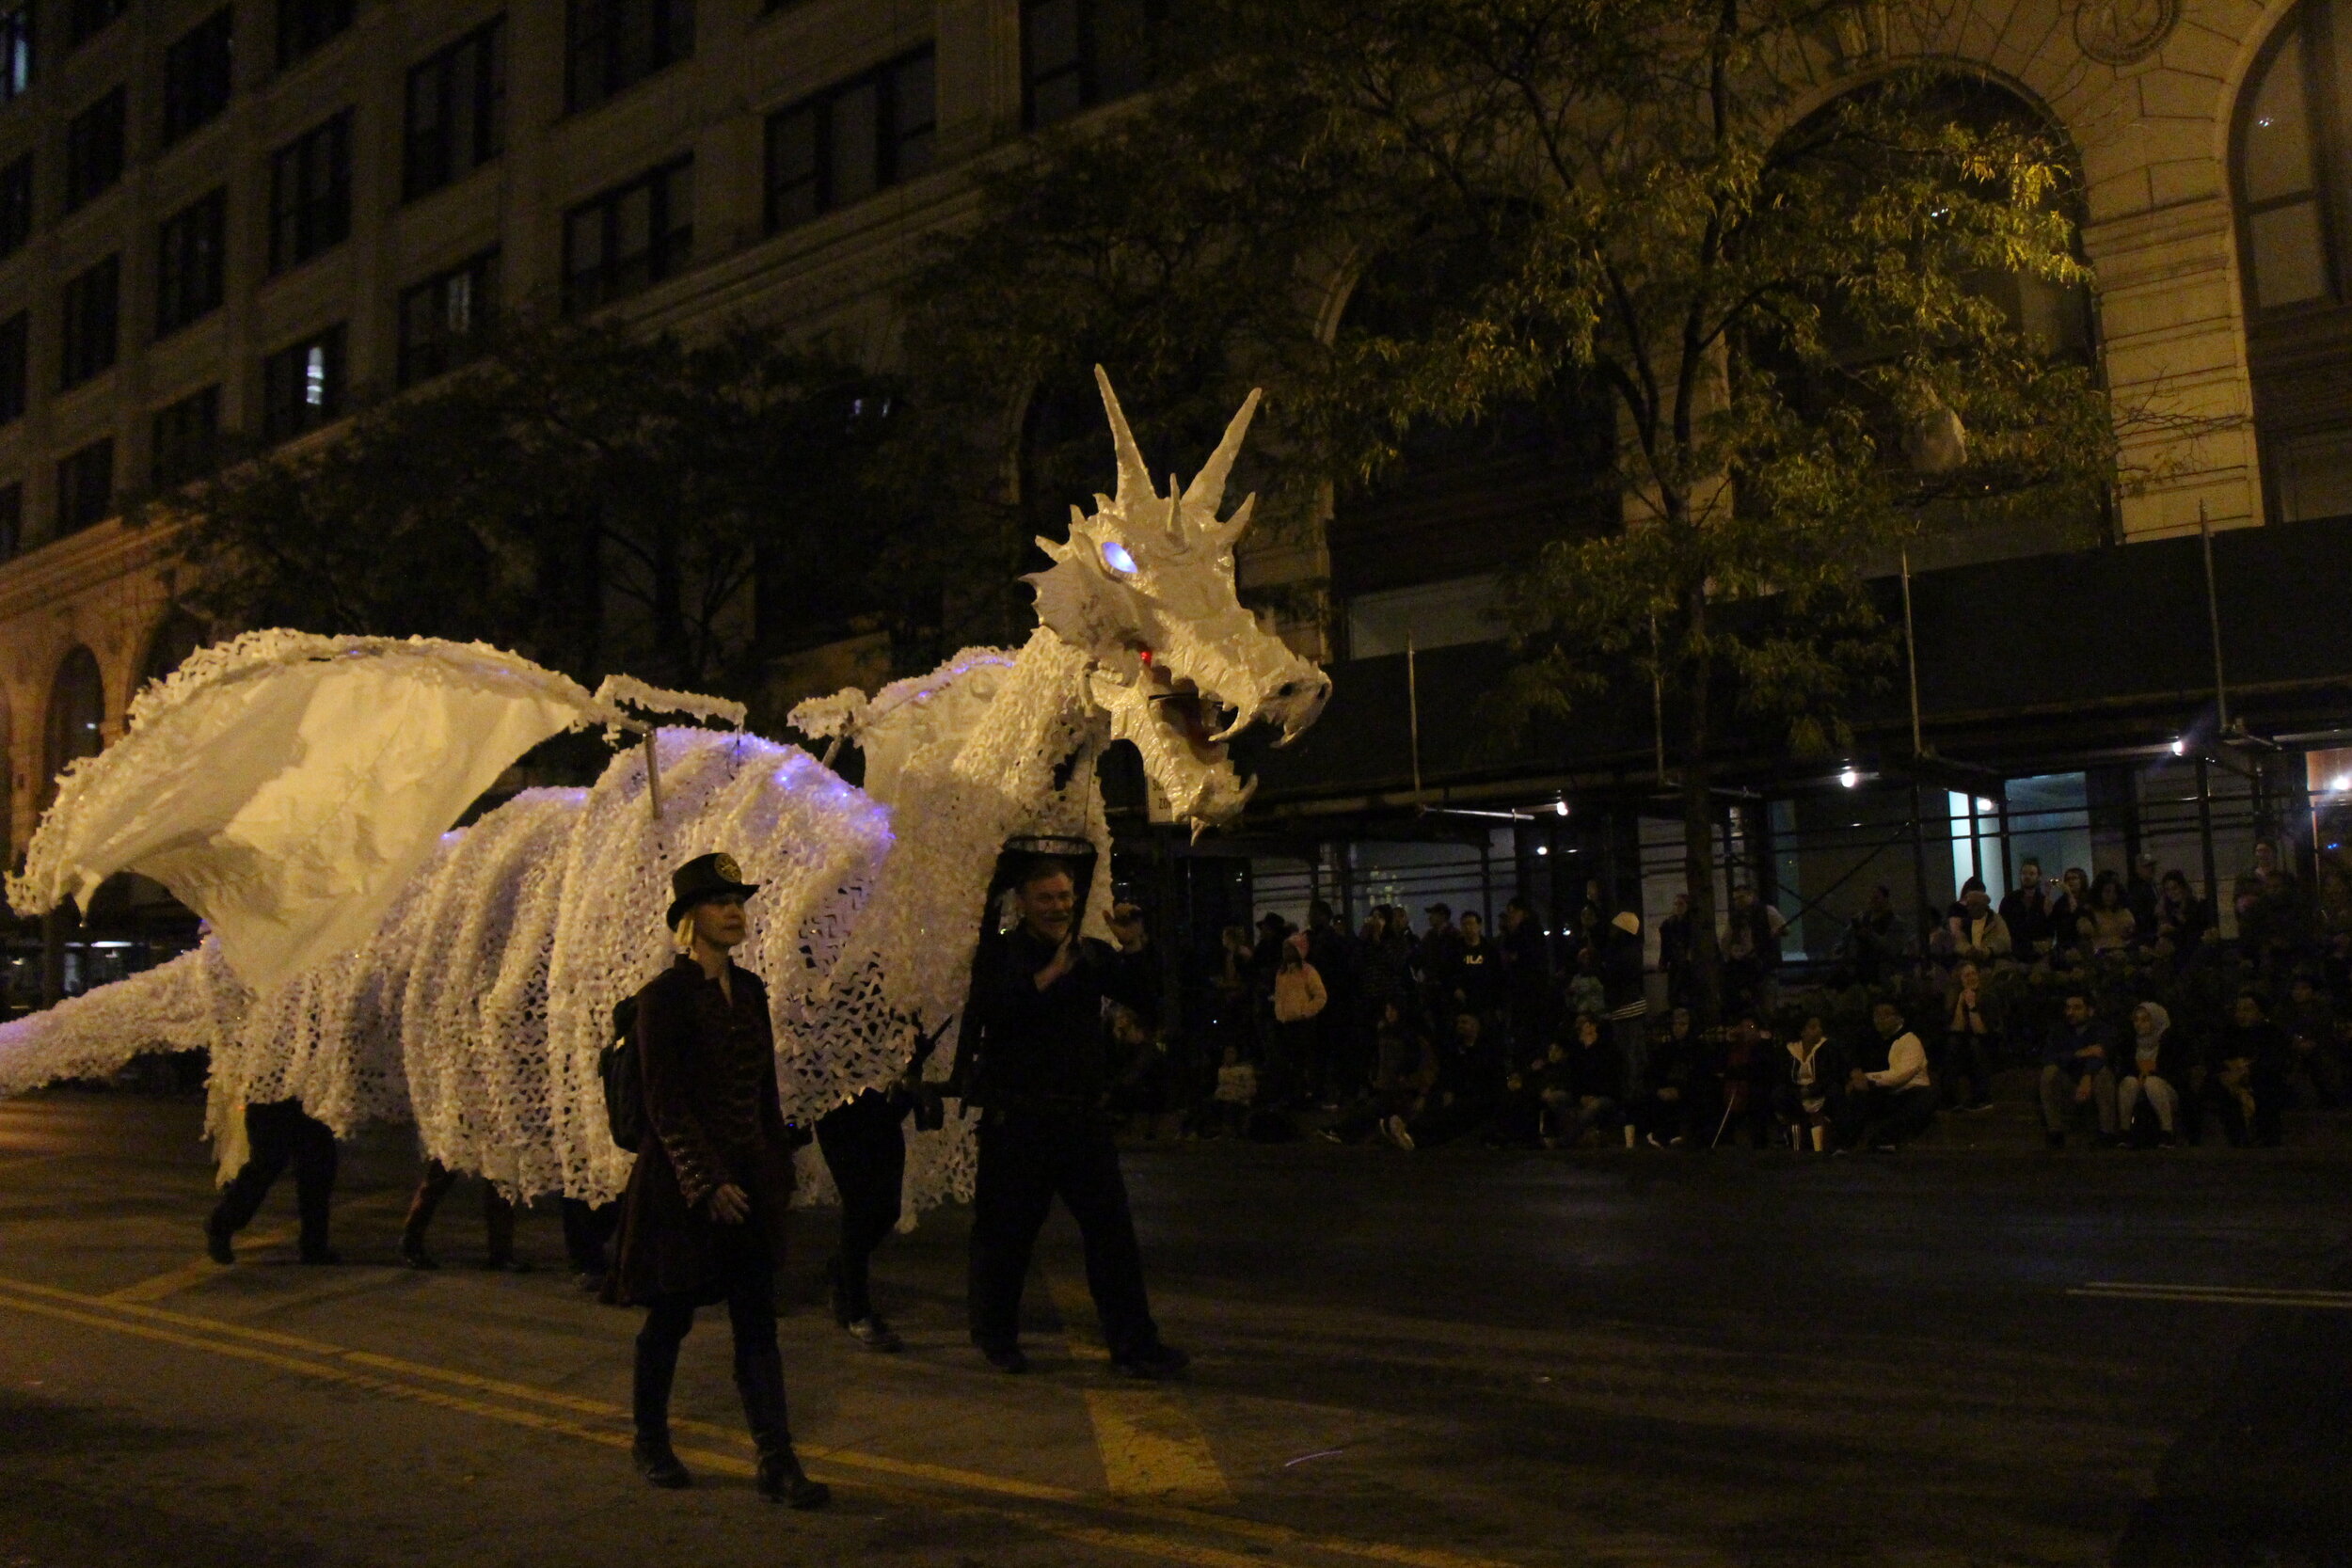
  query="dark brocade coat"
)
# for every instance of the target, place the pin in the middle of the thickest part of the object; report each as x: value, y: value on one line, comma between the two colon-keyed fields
x: 711, y: 1118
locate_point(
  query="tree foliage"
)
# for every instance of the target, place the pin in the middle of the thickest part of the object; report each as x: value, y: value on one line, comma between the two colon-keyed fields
x: 593, y: 498
x: 1820, y: 329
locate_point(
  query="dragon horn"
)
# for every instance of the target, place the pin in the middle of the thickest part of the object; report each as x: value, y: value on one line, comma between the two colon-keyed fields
x: 1135, y: 480
x: 1207, y: 490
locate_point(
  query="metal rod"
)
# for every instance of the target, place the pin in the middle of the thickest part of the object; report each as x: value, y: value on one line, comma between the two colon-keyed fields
x: 2213, y: 620
x: 1910, y: 655
x: 1412, y: 711
x: 2204, y: 837
x: 1658, y: 701
x: 653, y: 772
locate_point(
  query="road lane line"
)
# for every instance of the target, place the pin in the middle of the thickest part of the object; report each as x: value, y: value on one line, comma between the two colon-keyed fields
x: 201, y: 1270
x: 316, y: 1359
x: 1149, y: 1443
x: 2217, y: 1295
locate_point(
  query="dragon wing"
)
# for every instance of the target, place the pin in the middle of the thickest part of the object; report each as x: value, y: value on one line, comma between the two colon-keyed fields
x: 284, y: 786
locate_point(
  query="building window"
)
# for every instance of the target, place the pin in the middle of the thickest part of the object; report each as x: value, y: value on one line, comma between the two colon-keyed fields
x: 630, y: 237
x: 850, y: 140
x: 93, y: 308
x: 303, y: 25
x: 456, y: 104
x: 187, y: 439
x: 93, y: 149
x: 86, y: 486
x: 11, y: 521
x: 1076, y: 53
x: 442, y: 319
x: 310, y: 194
x: 15, y: 366
x: 199, y: 75
x: 86, y: 19
x: 76, y: 725
x: 302, y: 386
x: 188, y: 263
x: 2294, y: 244
x: 16, y: 205
x: 16, y: 50
x: 613, y: 44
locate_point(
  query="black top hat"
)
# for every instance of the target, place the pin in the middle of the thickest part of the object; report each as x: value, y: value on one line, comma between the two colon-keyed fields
x: 703, y: 878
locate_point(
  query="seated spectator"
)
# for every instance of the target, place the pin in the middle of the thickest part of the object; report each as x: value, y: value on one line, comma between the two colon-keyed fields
x: 2182, y: 920
x: 1462, y: 1099
x: 2066, y: 916
x: 2315, y: 1071
x: 2110, y: 927
x: 1661, y: 1102
x: 1978, y: 933
x: 1737, y: 1088
x: 1898, y: 1102
x: 1236, y: 1093
x: 1972, y: 1032
x: 2078, y: 1070
x: 2269, y: 901
x: 1873, y: 944
x: 1586, y: 996
x: 1592, y: 1082
x: 1810, y: 1102
x: 2246, y: 1081
x: 2154, y: 1076
x: 2140, y: 893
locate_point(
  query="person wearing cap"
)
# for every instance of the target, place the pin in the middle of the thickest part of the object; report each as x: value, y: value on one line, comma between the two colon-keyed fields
x: 1036, y: 1062
x: 703, y: 1219
x: 1625, y: 993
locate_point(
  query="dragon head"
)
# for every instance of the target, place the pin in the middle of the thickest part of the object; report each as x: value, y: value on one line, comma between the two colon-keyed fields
x: 1145, y: 586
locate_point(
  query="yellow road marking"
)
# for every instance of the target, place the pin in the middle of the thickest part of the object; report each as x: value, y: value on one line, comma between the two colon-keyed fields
x: 190, y: 1275
x: 1150, y: 1445
x: 316, y: 1358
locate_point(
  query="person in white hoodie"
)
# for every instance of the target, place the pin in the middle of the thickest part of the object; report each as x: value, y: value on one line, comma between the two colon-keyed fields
x: 1900, y: 1096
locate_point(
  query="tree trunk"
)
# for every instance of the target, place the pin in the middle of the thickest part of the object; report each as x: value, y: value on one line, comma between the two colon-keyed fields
x: 1698, y: 830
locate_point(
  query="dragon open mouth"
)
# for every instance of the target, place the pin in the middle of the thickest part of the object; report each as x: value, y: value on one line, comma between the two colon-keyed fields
x: 1197, y: 718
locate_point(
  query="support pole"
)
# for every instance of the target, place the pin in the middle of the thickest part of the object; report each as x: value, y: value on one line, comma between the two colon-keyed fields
x: 2213, y: 621
x: 1412, y: 712
x: 1920, y: 867
x: 653, y: 770
x: 1911, y: 660
x: 2204, y: 838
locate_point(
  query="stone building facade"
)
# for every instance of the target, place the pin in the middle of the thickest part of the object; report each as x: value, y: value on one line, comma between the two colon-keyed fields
x: 376, y: 170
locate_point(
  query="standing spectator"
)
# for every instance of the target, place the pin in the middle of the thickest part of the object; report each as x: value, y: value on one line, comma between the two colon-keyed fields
x: 2154, y: 1076
x: 1440, y: 950
x: 1979, y: 936
x: 1809, y: 1104
x: 1874, y: 940
x: 1971, y: 1027
x: 1586, y: 995
x: 1387, y: 961
x: 2030, y: 911
x: 2078, y: 1070
x: 1526, y: 975
x: 1479, y: 965
x: 1751, y: 950
x: 1625, y: 990
x: 1899, y: 1099
x: 1341, y: 1053
x: 2269, y: 907
x: 1299, y: 999
x: 1673, y: 951
x: 2140, y: 893
x: 2066, y: 917
x: 2110, y: 927
x: 2182, y: 921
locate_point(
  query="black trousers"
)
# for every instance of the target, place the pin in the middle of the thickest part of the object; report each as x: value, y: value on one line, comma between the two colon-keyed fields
x: 281, y: 1131
x: 497, y: 1215
x: 867, y: 1151
x: 1027, y: 1161
x: 587, y: 1226
x: 750, y: 1283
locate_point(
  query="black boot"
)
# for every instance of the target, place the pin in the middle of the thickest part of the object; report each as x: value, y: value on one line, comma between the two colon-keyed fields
x: 659, y: 1463
x: 217, y: 1243
x: 783, y: 1480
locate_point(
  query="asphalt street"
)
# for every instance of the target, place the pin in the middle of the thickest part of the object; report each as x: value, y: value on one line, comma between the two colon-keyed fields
x: 1973, y: 1353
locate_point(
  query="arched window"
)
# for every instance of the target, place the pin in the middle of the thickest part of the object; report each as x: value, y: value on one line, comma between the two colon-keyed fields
x: 2293, y: 177
x: 180, y: 635
x: 77, y: 717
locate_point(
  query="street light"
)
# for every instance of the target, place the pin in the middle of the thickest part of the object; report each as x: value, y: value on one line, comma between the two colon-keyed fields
x: 1850, y: 777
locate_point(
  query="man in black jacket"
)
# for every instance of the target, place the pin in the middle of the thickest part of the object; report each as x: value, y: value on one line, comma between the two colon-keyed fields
x: 1038, y: 1065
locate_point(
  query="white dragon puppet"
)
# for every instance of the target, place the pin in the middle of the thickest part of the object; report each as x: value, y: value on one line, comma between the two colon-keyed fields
x: 297, y: 792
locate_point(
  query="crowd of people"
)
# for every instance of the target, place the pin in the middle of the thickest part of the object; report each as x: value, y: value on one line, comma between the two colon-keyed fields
x: 2116, y: 998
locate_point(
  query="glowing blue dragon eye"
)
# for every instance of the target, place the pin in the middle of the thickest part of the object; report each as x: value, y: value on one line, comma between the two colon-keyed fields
x: 1115, y: 556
